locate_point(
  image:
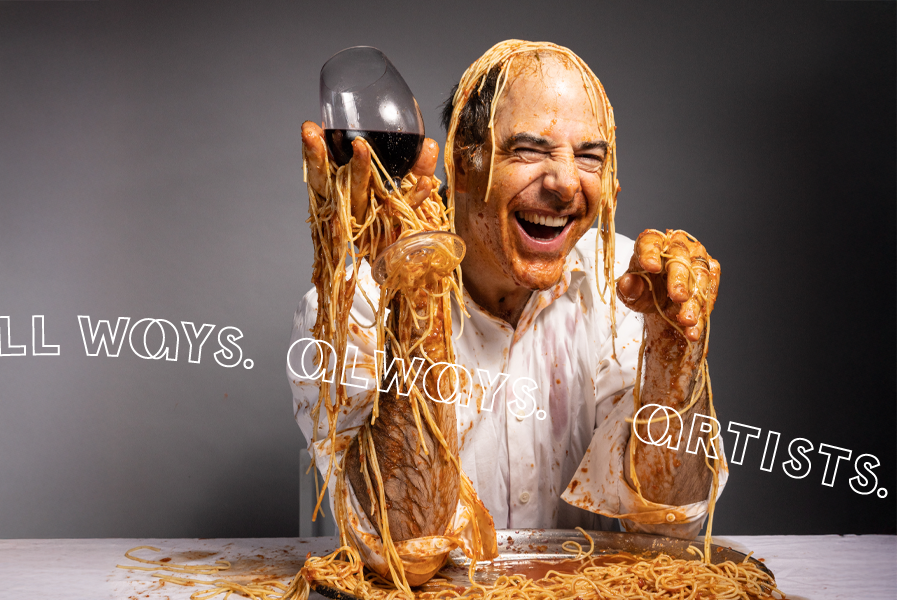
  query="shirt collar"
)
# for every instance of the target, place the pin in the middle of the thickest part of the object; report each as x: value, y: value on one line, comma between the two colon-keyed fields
x: 573, y: 277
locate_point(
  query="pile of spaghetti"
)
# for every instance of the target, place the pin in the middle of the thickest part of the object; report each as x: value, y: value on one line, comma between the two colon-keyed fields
x: 604, y: 576
x: 601, y: 576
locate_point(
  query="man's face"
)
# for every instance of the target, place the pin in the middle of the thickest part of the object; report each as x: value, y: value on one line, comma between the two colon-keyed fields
x: 545, y: 192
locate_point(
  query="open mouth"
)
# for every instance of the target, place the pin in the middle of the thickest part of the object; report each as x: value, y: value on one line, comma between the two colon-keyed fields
x: 541, y: 227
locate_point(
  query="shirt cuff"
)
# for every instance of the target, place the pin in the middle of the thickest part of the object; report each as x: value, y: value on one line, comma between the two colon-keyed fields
x: 639, y: 510
x: 600, y: 484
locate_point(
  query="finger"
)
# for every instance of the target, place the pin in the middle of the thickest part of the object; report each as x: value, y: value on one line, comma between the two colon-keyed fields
x: 647, y: 248
x: 712, y: 290
x: 715, y: 273
x: 692, y: 311
x: 700, y: 266
x: 422, y: 191
x: 316, y: 157
x: 360, y: 173
x: 694, y: 333
x: 678, y: 278
x: 635, y: 293
x: 427, y: 161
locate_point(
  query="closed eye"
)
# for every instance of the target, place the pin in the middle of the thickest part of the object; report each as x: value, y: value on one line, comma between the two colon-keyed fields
x: 530, y: 154
x: 590, y: 155
x: 590, y: 162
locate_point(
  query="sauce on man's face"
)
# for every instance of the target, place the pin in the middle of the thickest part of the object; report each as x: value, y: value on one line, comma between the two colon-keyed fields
x: 545, y: 192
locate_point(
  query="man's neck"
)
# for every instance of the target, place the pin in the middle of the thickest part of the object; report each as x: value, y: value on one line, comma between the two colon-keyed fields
x: 506, y: 302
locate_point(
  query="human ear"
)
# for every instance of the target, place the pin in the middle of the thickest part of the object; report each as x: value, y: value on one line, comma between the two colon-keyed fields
x: 462, y: 172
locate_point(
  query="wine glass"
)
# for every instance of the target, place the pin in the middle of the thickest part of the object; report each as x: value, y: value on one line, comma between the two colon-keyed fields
x: 363, y: 95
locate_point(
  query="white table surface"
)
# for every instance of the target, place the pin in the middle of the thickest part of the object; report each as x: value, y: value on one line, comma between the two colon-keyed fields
x: 823, y: 567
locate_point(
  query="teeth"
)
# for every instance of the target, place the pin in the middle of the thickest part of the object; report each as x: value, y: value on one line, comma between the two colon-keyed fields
x: 543, y: 219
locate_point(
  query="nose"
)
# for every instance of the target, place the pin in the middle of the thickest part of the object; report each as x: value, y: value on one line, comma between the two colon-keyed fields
x: 562, y: 177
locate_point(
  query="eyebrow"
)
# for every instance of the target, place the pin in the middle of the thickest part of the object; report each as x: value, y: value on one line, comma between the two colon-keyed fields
x: 543, y: 142
x: 530, y: 138
x: 596, y: 145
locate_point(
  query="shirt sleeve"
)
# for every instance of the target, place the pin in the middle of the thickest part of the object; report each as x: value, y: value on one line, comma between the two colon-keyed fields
x: 599, y: 484
x: 355, y: 372
x: 471, y: 527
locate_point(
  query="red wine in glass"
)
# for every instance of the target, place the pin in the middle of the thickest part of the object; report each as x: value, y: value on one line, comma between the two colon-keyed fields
x: 362, y: 95
x: 396, y: 150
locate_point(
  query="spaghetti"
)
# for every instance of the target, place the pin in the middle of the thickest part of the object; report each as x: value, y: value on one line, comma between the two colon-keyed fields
x: 587, y: 575
x: 339, y: 239
x: 701, y: 383
x: 413, y: 320
x: 419, y: 302
x: 272, y: 589
x: 473, y: 80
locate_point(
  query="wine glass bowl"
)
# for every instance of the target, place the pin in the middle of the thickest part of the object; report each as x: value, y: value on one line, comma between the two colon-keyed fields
x: 363, y: 95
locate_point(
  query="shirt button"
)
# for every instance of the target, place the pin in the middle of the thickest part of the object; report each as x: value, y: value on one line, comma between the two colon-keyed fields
x: 524, y: 497
x: 670, y: 518
x: 520, y: 417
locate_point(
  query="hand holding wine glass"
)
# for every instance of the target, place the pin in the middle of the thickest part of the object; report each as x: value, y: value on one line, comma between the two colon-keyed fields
x: 362, y: 94
x: 316, y: 155
x: 373, y: 132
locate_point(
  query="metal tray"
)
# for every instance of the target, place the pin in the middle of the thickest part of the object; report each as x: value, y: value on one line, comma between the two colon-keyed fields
x: 520, y: 545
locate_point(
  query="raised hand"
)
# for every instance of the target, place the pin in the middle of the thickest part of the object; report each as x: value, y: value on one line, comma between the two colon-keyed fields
x: 671, y: 271
x: 316, y: 154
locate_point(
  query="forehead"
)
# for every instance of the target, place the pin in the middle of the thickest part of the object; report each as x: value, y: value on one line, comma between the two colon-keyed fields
x: 545, y: 94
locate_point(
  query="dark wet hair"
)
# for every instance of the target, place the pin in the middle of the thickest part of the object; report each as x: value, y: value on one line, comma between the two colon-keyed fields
x: 472, y: 128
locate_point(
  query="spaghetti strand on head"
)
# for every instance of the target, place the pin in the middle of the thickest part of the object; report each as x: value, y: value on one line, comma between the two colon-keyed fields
x: 501, y: 57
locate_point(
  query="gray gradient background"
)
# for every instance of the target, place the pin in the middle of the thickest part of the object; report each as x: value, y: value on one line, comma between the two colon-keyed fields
x: 150, y: 167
